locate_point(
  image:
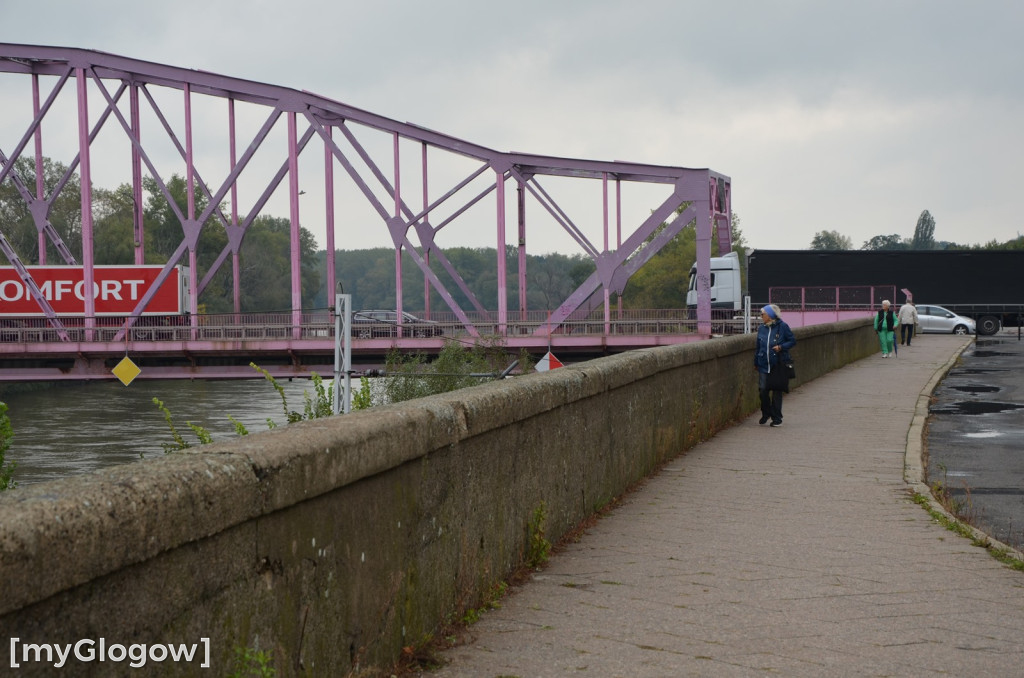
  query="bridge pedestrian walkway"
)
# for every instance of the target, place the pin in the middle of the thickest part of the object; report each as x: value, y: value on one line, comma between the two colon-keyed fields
x: 791, y: 551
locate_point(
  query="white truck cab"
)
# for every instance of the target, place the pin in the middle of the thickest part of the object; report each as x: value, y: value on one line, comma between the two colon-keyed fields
x: 726, y: 285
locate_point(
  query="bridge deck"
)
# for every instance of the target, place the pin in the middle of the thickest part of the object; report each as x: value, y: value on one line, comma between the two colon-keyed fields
x: 223, y: 346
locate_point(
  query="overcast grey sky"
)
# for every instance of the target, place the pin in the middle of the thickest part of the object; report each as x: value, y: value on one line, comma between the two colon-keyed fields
x: 851, y: 116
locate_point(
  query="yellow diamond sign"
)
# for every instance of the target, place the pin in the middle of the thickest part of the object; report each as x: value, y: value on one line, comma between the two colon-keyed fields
x: 126, y: 371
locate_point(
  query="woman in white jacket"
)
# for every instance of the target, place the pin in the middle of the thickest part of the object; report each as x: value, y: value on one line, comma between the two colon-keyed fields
x: 908, y: 319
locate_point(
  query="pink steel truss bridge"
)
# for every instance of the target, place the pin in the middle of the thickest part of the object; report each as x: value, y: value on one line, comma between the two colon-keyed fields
x: 244, y: 145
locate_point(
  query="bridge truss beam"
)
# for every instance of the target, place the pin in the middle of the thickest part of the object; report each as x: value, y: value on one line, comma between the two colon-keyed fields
x: 369, y: 153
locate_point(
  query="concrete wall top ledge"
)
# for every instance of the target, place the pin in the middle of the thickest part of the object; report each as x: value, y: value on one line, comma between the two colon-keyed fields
x: 67, y: 532
x: 832, y: 328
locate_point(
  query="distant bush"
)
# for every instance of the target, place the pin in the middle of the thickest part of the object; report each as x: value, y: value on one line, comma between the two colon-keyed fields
x: 456, y: 366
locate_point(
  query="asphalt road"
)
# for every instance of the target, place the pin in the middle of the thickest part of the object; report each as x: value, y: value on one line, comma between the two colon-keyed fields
x: 976, y: 434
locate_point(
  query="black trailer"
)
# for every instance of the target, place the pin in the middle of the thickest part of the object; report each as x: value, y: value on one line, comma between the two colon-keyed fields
x: 986, y: 285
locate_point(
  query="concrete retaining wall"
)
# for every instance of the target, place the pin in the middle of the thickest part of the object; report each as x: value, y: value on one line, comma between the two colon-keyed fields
x: 335, y: 543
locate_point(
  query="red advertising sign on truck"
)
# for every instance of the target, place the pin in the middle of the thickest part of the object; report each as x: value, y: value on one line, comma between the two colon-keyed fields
x: 116, y: 290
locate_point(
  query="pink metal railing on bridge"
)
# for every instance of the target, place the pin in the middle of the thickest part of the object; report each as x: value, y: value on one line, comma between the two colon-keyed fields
x: 803, y: 306
x: 281, y: 325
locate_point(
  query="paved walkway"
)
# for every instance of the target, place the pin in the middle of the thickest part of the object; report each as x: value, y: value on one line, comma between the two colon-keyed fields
x: 791, y: 552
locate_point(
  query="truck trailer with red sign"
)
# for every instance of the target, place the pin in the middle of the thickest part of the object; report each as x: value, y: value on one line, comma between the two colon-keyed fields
x: 116, y: 290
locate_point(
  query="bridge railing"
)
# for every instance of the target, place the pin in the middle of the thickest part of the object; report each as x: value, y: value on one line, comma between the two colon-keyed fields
x: 161, y: 328
x: 321, y: 325
x: 643, y: 322
x: 832, y: 298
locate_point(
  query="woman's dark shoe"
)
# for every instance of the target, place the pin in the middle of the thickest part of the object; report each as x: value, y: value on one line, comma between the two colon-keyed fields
x: 763, y: 420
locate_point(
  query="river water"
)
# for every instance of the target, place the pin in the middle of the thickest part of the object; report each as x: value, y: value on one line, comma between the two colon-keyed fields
x: 71, y: 429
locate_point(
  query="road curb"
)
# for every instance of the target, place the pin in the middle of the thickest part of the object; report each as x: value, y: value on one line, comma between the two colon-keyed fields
x: 913, y: 461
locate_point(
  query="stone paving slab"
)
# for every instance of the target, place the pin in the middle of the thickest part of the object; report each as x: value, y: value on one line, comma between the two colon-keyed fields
x: 794, y: 551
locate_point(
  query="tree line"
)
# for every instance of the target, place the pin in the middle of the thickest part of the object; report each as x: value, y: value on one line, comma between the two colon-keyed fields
x: 923, y: 239
x: 369, y: 276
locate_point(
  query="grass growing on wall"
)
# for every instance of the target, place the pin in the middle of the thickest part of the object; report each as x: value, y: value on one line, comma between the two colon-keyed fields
x: 408, y: 377
x: 7, y: 481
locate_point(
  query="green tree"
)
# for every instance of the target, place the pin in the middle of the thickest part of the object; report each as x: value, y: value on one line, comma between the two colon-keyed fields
x: 924, y: 233
x: 550, y: 280
x: 65, y: 214
x: 376, y: 285
x: 164, y: 232
x: 1013, y: 244
x: 885, y: 242
x: 114, y: 225
x: 663, y: 281
x: 580, y: 269
x: 831, y: 240
x: 266, y: 269
x: 369, y: 276
x: 264, y: 255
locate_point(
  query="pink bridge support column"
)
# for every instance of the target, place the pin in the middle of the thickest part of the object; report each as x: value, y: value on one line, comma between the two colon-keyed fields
x: 607, y: 247
x: 192, y: 226
x: 500, y: 246
x: 86, y: 202
x: 521, y: 225
x: 294, y: 231
x: 40, y: 185
x: 618, y: 229
x: 426, y: 245
x: 397, y: 194
x: 332, y: 275
x: 138, y: 213
x: 236, y: 267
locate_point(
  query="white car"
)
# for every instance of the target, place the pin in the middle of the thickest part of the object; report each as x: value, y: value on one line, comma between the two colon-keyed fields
x: 937, y: 319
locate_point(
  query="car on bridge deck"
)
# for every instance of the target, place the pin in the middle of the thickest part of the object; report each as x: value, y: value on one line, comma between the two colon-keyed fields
x: 370, y: 324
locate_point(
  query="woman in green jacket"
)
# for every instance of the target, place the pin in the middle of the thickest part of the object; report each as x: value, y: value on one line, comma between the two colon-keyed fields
x: 886, y: 323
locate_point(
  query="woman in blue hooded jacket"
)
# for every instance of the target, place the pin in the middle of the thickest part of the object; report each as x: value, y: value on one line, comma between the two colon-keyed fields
x: 774, y: 339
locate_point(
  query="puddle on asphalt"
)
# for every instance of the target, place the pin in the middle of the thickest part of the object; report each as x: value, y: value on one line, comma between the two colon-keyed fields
x: 989, y: 354
x: 976, y: 389
x: 997, y: 491
x: 971, y: 407
x: 993, y: 342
